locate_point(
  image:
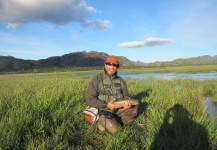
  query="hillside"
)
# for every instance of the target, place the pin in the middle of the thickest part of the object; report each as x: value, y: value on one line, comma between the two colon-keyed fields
x: 200, y: 60
x: 75, y: 59
x: 92, y: 58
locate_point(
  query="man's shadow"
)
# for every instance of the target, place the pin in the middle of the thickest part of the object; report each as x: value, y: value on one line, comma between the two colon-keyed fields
x: 179, y: 131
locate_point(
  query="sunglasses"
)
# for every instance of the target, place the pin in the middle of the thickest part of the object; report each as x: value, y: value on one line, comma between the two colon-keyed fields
x: 111, y: 64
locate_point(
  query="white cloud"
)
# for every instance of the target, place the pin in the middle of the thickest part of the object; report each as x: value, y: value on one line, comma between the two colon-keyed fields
x: 91, y: 9
x: 13, y: 25
x: 148, y: 42
x: 75, y: 50
x: 59, y: 12
x: 98, y: 24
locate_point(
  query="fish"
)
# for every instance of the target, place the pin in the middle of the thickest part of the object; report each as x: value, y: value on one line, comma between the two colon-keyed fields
x: 120, y: 102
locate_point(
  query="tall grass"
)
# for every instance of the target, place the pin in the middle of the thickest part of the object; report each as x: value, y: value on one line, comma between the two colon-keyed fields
x: 44, y: 111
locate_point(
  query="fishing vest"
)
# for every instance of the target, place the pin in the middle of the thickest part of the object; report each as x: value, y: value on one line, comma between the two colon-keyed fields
x: 110, y: 89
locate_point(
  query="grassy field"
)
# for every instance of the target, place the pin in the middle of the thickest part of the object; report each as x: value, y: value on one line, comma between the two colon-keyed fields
x: 44, y: 111
x: 177, y: 69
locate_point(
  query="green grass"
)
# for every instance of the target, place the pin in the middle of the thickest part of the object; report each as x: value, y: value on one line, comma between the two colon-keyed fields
x: 96, y: 69
x: 44, y: 111
x: 177, y: 69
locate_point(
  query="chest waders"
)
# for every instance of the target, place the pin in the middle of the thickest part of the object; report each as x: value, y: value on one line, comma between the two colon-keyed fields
x: 110, y: 88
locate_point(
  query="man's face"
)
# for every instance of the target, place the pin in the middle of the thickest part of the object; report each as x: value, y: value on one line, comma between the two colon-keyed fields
x: 111, y: 68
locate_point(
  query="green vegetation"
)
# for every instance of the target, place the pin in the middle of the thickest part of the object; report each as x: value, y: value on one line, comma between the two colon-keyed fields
x: 178, y: 69
x: 44, y: 111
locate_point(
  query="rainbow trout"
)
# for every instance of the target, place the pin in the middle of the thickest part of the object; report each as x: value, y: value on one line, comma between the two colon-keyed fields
x: 120, y: 102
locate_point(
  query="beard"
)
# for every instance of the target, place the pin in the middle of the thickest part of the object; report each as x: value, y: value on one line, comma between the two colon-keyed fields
x: 111, y: 71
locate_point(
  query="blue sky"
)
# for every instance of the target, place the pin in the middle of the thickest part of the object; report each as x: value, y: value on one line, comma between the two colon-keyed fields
x: 144, y: 30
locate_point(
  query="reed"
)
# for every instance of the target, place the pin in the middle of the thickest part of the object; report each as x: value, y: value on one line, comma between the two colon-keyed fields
x: 44, y: 111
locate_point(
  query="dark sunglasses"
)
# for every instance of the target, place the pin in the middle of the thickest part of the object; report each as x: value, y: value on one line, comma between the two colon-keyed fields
x: 110, y: 64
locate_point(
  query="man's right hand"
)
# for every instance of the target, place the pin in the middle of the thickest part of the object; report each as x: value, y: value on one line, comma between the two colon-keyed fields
x: 111, y: 105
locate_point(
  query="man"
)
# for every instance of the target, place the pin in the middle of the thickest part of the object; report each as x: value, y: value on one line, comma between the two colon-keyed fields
x: 103, y: 90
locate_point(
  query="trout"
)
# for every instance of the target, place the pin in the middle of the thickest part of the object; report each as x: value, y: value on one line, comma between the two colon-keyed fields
x: 120, y: 102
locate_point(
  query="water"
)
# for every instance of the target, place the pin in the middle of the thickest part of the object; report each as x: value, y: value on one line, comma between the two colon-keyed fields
x: 210, y: 107
x: 170, y: 75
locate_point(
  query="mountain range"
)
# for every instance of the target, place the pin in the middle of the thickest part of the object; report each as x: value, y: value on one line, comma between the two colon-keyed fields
x: 87, y: 59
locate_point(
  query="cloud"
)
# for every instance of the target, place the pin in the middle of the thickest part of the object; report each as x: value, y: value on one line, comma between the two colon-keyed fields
x: 148, y: 42
x: 13, y: 25
x: 98, y: 24
x: 91, y: 9
x: 18, y: 12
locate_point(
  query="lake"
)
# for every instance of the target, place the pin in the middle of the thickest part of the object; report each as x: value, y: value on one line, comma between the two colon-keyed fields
x: 170, y: 75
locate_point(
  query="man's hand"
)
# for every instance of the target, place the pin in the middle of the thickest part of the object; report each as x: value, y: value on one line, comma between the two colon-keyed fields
x: 127, y: 104
x: 112, y: 106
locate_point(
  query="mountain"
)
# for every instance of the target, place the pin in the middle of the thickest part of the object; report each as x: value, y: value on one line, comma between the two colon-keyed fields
x: 200, y: 60
x: 9, y: 63
x: 92, y: 58
x: 75, y: 59
x: 140, y: 63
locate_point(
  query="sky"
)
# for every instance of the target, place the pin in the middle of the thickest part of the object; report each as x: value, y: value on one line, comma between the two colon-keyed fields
x: 144, y: 30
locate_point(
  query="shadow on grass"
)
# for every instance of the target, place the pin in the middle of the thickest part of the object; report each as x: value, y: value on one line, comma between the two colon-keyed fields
x: 179, y: 131
x: 139, y: 96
